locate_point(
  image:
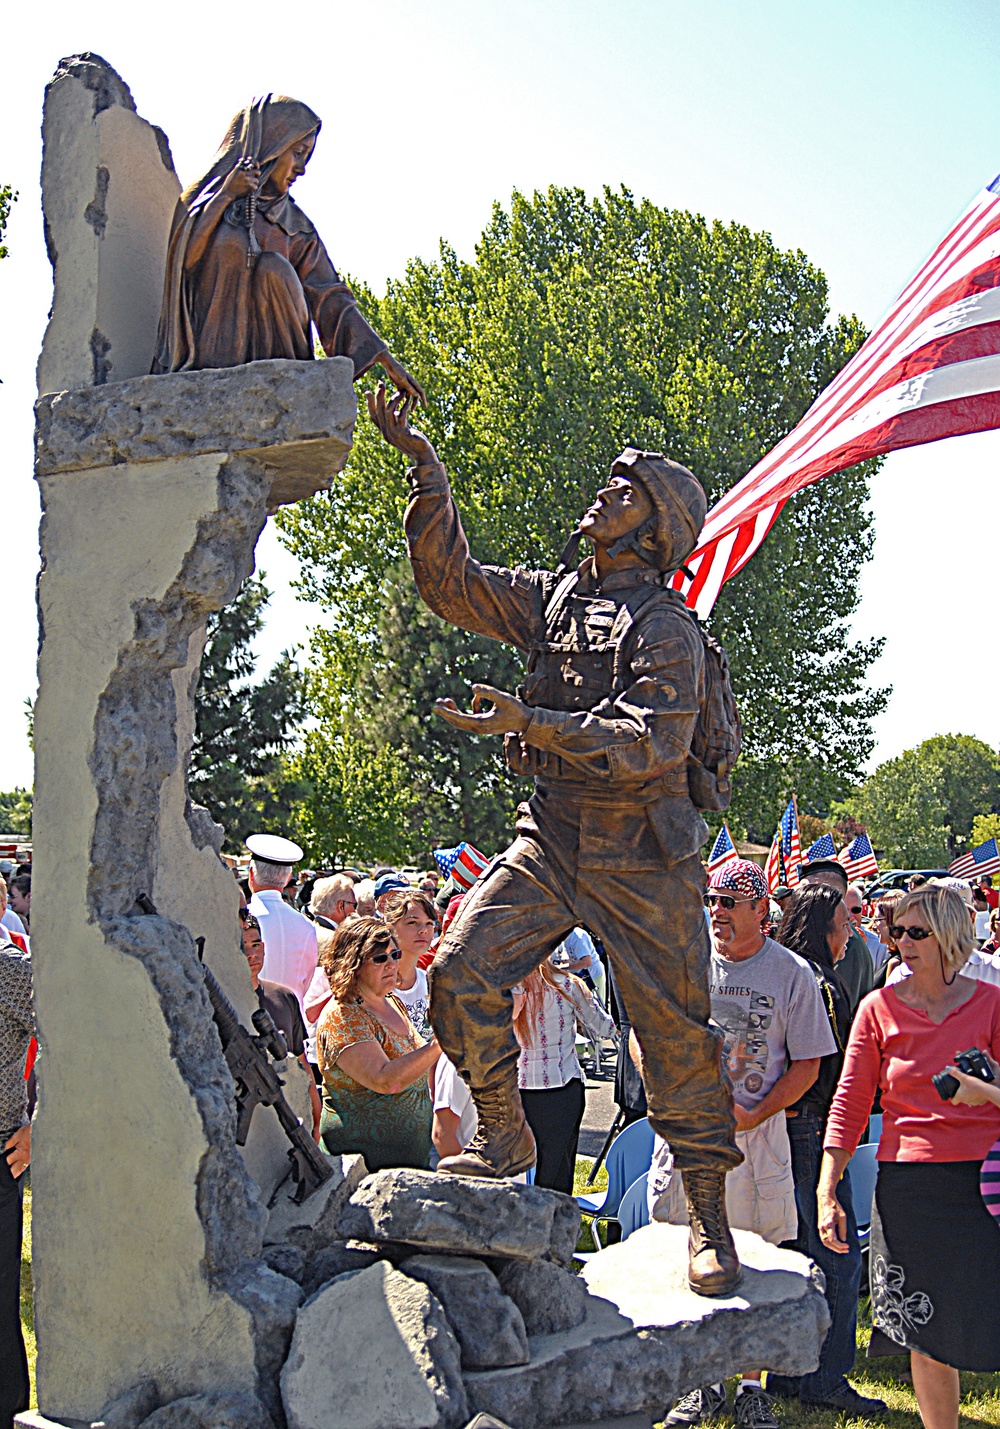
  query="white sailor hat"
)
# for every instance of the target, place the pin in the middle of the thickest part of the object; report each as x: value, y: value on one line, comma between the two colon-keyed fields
x: 272, y: 848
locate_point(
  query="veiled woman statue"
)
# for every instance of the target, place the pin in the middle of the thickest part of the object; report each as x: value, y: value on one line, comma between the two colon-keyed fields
x: 247, y: 274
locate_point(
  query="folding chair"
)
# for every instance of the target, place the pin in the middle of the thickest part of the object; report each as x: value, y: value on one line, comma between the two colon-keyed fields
x: 634, y: 1209
x: 630, y: 1156
x: 864, y: 1168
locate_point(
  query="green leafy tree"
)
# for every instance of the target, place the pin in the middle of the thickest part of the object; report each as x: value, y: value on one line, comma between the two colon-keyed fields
x: 15, y: 813
x: 244, y: 730
x: 984, y: 826
x: 8, y: 196
x: 920, y: 808
x: 582, y: 326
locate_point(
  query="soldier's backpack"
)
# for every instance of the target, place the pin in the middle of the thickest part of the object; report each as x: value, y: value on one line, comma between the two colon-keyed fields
x: 718, y: 734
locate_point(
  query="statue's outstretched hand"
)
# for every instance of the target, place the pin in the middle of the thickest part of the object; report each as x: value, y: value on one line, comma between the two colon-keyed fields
x: 509, y: 714
x: 392, y: 418
x: 397, y: 373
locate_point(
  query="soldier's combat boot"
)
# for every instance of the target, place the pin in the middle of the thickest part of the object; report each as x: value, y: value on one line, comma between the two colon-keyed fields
x: 503, y: 1144
x: 713, y: 1265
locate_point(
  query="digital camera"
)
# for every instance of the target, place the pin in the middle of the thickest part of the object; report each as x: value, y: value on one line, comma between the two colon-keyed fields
x: 972, y: 1063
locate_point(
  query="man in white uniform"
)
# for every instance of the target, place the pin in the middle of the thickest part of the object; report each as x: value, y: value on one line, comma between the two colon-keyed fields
x: 290, y: 949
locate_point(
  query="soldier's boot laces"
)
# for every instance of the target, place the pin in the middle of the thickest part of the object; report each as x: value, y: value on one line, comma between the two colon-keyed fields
x: 503, y: 1144
x: 713, y: 1265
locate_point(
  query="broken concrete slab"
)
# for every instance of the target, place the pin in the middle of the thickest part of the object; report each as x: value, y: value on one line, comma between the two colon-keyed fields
x: 647, y: 1339
x: 488, y: 1325
x: 217, y: 1409
x: 549, y: 1298
x: 110, y: 192
x: 296, y: 419
x: 131, y: 1408
x: 465, y: 1215
x: 334, y: 1260
x: 373, y: 1350
x: 310, y: 1226
x: 777, y: 1319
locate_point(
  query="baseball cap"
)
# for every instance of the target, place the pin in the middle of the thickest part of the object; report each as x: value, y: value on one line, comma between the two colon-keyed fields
x: 388, y: 883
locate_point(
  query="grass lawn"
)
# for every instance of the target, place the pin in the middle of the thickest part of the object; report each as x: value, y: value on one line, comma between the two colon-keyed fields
x: 879, y: 1378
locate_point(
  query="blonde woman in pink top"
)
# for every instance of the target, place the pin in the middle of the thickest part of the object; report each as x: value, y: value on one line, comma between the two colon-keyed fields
x: 935, y: 1248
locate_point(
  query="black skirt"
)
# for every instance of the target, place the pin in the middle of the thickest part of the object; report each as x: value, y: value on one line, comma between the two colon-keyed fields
x: 935, y: 1265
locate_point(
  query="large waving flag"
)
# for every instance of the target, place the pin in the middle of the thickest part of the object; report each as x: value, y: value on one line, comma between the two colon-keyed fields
x: 931, y: 369
x: 723, y: 850
x: 859, y: 858
x: 984, y: 858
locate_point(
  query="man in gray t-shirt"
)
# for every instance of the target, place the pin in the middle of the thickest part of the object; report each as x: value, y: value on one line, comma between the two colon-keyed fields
x: 770, y: 1009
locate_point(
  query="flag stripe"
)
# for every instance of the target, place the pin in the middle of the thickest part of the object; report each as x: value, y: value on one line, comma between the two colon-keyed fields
x: 931, y: 369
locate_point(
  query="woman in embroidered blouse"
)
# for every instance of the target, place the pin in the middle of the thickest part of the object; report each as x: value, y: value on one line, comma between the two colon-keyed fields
x: 548, y: 1007
x: 935, y: 1250
x: 373, y: 1061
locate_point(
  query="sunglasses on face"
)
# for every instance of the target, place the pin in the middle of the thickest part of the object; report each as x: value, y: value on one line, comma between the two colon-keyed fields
x: 916, y: 934
x: 394, y: 953
x: 724, y: 899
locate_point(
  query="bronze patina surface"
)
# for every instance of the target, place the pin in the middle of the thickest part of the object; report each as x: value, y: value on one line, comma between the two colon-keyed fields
x: 248, y: 276
x: 610, y: 837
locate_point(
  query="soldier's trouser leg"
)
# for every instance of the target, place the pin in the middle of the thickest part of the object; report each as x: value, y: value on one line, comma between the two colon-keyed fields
x: 514, y: 916
x: 653, y: 927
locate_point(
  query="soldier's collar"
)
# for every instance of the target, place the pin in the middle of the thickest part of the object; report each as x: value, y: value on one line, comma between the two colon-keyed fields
x: 616, y: 580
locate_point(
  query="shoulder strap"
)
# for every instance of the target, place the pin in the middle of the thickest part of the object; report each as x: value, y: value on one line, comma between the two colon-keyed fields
x: 624, y: 624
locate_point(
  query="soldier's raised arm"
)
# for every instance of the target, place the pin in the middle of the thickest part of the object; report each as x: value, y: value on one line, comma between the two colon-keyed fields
x: 488, y: 600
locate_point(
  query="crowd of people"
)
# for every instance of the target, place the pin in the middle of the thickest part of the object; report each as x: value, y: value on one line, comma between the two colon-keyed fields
x: 829, y: 1008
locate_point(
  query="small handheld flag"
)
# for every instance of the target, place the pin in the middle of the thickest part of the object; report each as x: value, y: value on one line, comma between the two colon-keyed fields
x: 723, y: 850
x: 824, y: 847
x: 859, y: 858
x: 463, y: 864
x: 984, y: 858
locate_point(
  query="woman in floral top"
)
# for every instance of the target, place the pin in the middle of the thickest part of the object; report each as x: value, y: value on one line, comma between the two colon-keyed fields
x: 548, y: 1007
x: 373, y: 1061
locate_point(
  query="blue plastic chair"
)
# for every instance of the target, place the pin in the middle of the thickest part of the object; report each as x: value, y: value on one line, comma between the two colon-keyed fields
x: 864, y: 1169
x: 630, y: 1156
x: 634, y: 1209
x: 875, y: 1128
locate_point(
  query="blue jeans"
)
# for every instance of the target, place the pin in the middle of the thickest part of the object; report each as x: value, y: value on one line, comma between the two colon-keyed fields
x: 843, y: 1272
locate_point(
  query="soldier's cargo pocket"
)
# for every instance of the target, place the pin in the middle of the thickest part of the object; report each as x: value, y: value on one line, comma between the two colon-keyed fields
x: 618, y: 839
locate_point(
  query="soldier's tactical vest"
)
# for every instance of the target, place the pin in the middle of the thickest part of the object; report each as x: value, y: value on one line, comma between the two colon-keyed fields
x: 581, y: 660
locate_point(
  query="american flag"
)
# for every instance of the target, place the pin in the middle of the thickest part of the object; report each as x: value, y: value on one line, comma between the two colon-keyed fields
x: 824, y: 847
x: 786, y: 851
x: 859, y: 858
x: 983, y: 859
x: 929, y: 370
x: 463, y: 863
x: 723, y: 850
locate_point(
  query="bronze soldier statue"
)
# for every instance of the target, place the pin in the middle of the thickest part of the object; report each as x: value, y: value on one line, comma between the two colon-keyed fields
x: 247, y: 274
x: 625, y: 712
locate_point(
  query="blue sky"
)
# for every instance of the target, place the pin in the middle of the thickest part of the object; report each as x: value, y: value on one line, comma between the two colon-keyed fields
x: 855, y: 132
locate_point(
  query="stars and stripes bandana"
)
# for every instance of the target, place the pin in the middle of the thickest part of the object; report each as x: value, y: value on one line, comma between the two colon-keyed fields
x: 742, y: 877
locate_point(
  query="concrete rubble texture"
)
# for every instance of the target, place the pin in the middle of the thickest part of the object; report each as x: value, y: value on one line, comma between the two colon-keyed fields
x: 549, y: 1298
x: 218, y: 1409
x: 373, y: 1350
x: 310, y: 1226
x: 487, y: 1324
x: 464, y: 1215
x: 647, y: 1339
x: 146, y: 531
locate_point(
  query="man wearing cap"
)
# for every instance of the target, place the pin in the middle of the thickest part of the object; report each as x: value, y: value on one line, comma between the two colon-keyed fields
x: 290, y: 948
x: 769, y: 1006
x: 615, y: 685
x: 387, y: 883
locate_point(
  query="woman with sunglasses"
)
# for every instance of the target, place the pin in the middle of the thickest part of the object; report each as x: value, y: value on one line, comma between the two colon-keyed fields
x: 935, y: 1250
x: 373, y: 1062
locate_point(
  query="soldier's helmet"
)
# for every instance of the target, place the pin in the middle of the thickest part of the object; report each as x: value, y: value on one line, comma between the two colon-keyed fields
x: 678, y: 498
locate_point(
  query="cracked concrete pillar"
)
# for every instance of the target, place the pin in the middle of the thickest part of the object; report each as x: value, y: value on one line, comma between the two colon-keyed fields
x: 110, y: 191
x: 147, y: 1219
